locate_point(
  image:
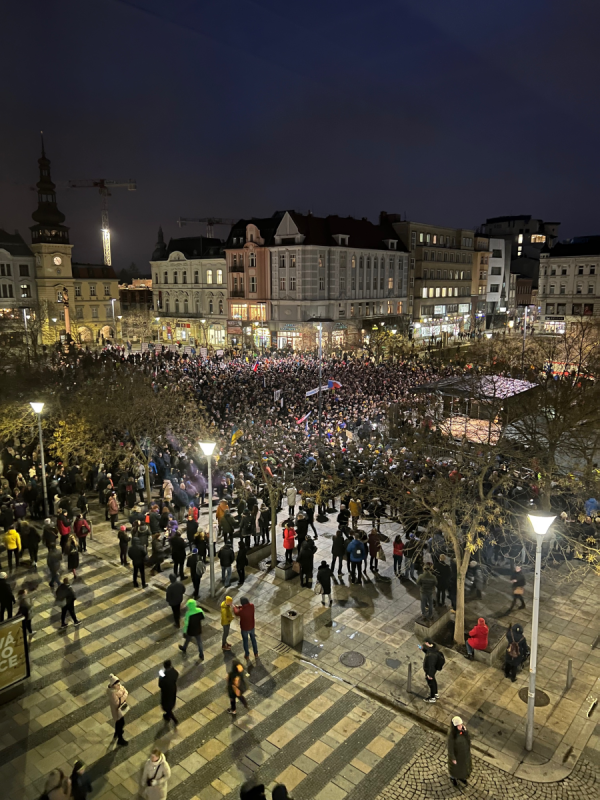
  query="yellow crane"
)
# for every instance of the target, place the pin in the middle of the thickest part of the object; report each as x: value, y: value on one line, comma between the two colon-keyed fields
x: 104, y: 187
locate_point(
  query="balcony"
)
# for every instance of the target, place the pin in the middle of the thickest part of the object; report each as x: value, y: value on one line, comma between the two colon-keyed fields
x: 237, y: 293
x: 236, y: 268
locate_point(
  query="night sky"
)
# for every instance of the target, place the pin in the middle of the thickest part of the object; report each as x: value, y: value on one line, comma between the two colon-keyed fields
x: 448, y: 111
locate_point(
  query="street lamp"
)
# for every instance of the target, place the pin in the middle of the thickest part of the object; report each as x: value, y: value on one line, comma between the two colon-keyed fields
x: 540, y: 526
x: 157, y: 320
x: 207, y: 449
x: 37, y: 410
x: 120, y: 317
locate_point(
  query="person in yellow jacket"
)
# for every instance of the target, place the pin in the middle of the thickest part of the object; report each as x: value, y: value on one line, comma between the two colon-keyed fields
x: 355, y: 508
x: 12, y: 542
x: 226, y: 620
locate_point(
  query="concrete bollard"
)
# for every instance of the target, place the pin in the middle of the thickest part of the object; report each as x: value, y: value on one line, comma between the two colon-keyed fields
x: 409, y: 681
x: 292, y: 628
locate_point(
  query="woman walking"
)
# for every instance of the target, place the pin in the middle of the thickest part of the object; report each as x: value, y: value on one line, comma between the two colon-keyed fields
x: 155, y: 777
x: 117, y: 699
x: 236, y: 686
x: 73, y: 555
x: 459, y: 752
x: 324, y: 576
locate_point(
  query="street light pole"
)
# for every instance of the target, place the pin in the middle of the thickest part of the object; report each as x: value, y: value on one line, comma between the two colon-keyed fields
x: 207, y: 449
x: 540, y: 525
x: 524, y: 335
x: 320, y: 376
x: 37, y: 408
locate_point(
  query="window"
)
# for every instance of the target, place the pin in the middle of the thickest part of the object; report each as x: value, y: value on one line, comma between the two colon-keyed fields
x: 564, y: 271
x: 293, y: 283
x: 426, y: 255
x: 253, y: 284
x: 590, y: 289
x: 241, y: 257
x: 494, y: 287
x: 413, y: 239
x: 551, y: 288
x: 341, y: 310
x: 579, y: 288
x: 25, y: 290
x: 430, y: 294
x: 77, y: 290
x: 437, y: 291
x: 282, y: 284
x: 563, y: 289
x: 368, y: 281
x: 592, y: 269
x: 156, y: 278
x: 78, y: 312
x: 550, y: 308
x: 220, y: 306
x: 219, y: 276
x: 185, y: 307
x: 293, y: 259
x: 321, y: 283
x: 165, y: 278
x: 381, y: 279
x: 351, y: 309
x: 520, y: 239
x: 537, y: 238
x: 234, y: 260
x: 561, y: 308
x: 196, y: 276
x: 23, y: 270
x: 425, y: 274
x: 252, y: 260
x: 209, y: 276
x: 588, y: 309
x: 5, y: 270
x: 92, y: 290
x: 211, y: 306
x: 109, y: 311
x: 424, y: 292
x: 94, y: 312
x: 482, y: 290
x: 167, y: 306
x: 106, y: 290
x: 390, y: 284
x: 353, y: 281
x: 367, y: 309
x: 439, y: 274
x: 496, y: 271
x: 174, y: 277
x: 282, y: 260
x: 184, y: 276
x: 443, y: 291
x: 576, y: 309
x: 580, y: 269
x: 421, y: 237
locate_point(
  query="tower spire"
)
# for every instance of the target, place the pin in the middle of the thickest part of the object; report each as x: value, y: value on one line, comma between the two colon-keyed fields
x: 43, y: 151
x: 49, y: 218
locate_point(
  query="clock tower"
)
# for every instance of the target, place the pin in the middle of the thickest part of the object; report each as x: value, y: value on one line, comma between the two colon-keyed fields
x: 50, y: 244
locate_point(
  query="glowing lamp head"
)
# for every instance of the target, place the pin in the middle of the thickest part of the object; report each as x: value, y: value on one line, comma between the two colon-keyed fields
x: 539, y: 524
x: 37, y: 407
x: 207, y: 448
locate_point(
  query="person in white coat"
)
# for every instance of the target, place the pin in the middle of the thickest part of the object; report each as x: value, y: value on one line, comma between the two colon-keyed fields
x: 117, y: 698
x: 155, y: 777
x: 291, y: 499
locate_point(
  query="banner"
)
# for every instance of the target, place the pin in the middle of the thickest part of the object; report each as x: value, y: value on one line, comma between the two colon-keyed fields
x: 315, y: 391
x: 14, y: 653
x: 276, y: 395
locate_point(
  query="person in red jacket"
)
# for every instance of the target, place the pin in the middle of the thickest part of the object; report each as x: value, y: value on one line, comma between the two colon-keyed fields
x: 245, y: 612
x: 398, y: 549
x: 289, y: 540
x: 478, y: 638
x: 81, y: 528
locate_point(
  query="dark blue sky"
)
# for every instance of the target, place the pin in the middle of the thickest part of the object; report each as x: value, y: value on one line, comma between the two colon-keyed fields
x: 450, y: 112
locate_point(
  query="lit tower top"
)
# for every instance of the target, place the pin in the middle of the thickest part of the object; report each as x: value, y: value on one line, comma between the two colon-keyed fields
x: 49, y: 228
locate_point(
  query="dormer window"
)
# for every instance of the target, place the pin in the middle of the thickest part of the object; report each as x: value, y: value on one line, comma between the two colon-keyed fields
x: 341, y: 239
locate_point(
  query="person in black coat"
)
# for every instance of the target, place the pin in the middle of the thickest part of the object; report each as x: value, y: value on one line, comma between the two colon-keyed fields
x: 443, y: 574
x: 192, y: 565
x: 49, y: 533
x: 137, y: 554
x: 516, y: 651
x: 123, y: 537
x: 306, y: 558
x: 241, y: 562
x: 174, y: 596
x: 191, y: 529
x: 178, y: 553
x: 143, y: 535
x: 6, y: 597
x: 518, y: 583
x: 301, y: 530
x: 167, y: 683
x: 324, y: 576
x: 246, y: 527
x: 338, y: 550
x: 81, y: 784
x: 201, y: 544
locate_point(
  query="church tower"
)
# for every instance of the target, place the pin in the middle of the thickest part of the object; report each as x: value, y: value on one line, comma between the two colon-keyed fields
x: 50, y: 244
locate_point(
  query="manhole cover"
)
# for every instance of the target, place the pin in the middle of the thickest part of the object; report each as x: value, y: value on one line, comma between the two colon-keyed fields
x: 541, y: 698
x: 352, y: 659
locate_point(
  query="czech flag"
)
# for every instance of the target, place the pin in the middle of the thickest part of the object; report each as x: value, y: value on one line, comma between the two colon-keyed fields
x: 334, y: 384
x: 255, y: 367
x: 304, y: 418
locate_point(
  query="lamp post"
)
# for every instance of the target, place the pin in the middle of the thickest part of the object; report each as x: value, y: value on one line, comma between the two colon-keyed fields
x: 55, y: 320
x: 157, y: 320
x: 120, y: 317
x: 540, y: 526
x: 37, y: 409
x: 207, y: 449
x: 320, y: 327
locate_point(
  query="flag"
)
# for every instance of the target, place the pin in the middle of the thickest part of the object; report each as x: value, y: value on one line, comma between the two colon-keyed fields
x: 304, y: 418
x: 236, y: 434
x: 334, y: 385
x: 255, y: 367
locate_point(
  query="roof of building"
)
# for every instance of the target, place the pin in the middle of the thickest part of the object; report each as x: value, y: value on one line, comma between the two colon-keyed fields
x: 195, y: 247
x: 514, y: 218
x: 266, y: 225
x: 578, y: 246
x: 94, y: 271
x: 14, y: 244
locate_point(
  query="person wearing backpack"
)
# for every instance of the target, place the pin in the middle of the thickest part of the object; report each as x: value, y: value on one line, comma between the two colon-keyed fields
x: 515, y: 652
x: 357, y: 553
x: 81, y: 528
x: 433, y: 662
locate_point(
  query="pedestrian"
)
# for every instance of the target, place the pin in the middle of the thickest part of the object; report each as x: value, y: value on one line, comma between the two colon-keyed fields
x: 357, y: 553
x: 226, y: 559
x: 81, y: 784
x: 478, y: 638
x: 167, y: 683
x: 196, y: 574
x: 433, y: 662
x: 518, y: 582
x: 355, y: 508
x: 324, y: 576
x: 250, y: 790
x: 12, y: 542
x: 49, y: 533
x: 306, y: 556
x: 66, y: 597
x: 57, y: 786
x: 236, y: 686
x: 24, y: 604
x: 113, y: 510
x: 241, y: 562
x: 192, y: 627
x: 82, y: 529
x: 34, y: 544
x: 291, y: 499
x: 226, y: 620
x: 174, y: 596
x: 245, y: 611
x: 410, y: 555
x: 289, y: 541
x: 117, y: 699
x: 398, y: 550
x: 516, y: 651
x: 459, y: 752
x: 427, y: 583
x: 374, y: 545
x: 201, y: 542
x: 123, y: 538
x: 280, y: 792
x: 53, y: 561
x: 443, y: 573
x: 6, y: 597
x: 338, y: 551
x: 155, y: 777
x: 73, y: 555
x: 137, y: 555
x: 63, y: 523
x: 178, y: 553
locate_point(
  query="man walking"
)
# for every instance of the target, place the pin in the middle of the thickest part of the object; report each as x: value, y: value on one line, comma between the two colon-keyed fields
x: 66, y: 596
x: 197, y: 568
x: 356, y: 552
x: 137, y: 554
x: 226, y: 559
x: 53, y: 560
x: 167, y: 683
x: 226, y: 620
x: 427, y: 583
x: 245, y: 611
x: 192, y: 627
x: 518, y: 582
x: 178, y: 553
x: 174, y: 595
x: 432, y: 662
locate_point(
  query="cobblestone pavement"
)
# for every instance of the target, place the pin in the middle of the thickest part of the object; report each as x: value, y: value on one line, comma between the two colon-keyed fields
x: 425, y: 777
x: 310, y: 724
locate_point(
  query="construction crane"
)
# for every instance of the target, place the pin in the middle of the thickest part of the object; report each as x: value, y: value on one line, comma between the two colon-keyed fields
x: 104, y: 187
x: 210, y: 223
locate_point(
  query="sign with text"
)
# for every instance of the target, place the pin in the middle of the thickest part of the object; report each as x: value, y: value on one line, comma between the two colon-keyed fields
x: 14, y: 654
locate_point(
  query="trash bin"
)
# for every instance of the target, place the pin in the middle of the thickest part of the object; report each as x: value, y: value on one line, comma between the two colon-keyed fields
x: 292, y: 628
